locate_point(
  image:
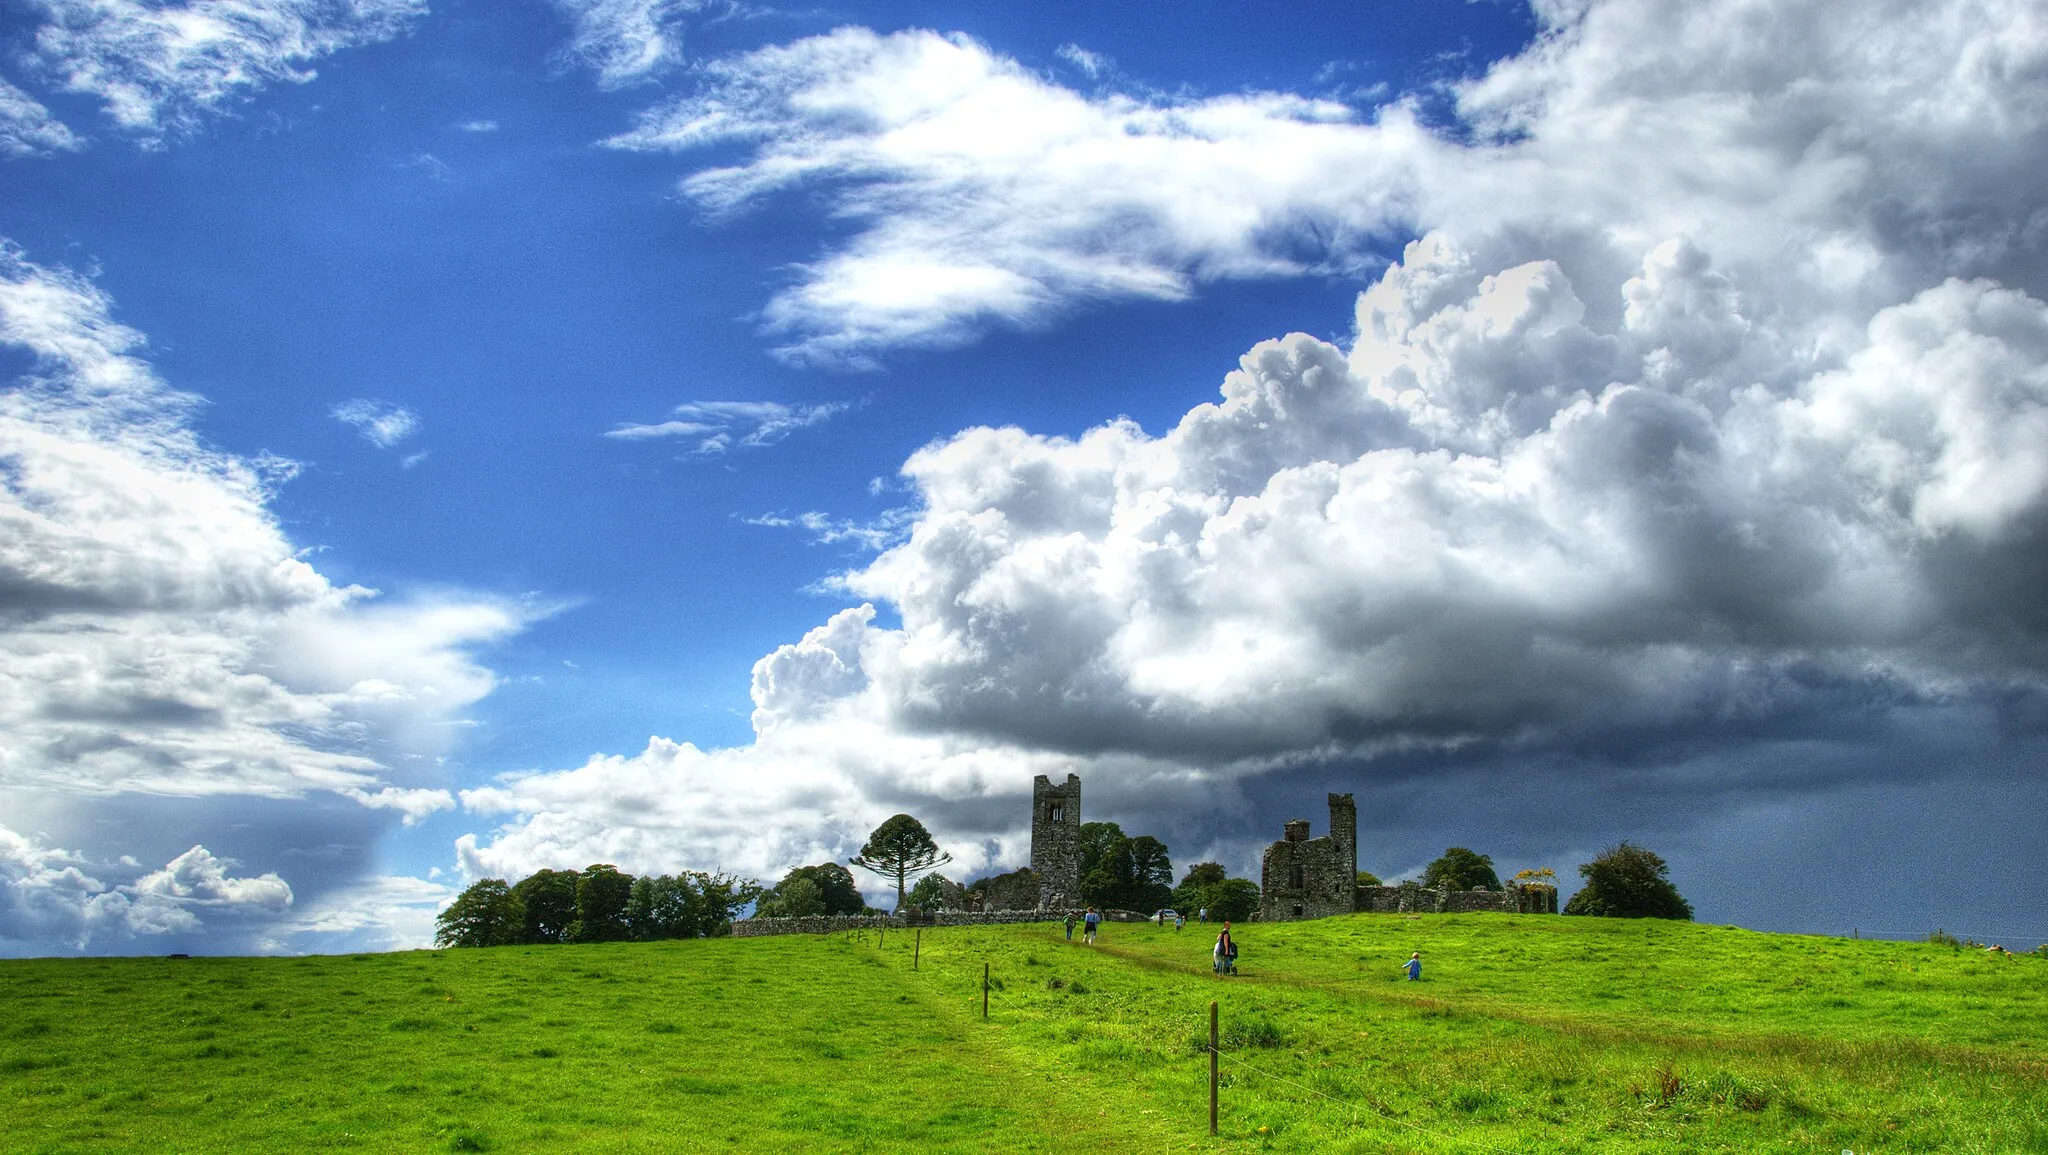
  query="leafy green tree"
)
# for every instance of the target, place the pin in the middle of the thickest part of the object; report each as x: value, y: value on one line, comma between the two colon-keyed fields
x: 485, y: 914
x: 899, y: 849
x: 1204, y: 874
x: 835, y: 884
x: 795, y: 897
x: 1232, y: 900
x: 1098, y: 840
x: 549, y: 899
x: 1127, y: 873
x: 1368, y: 878
x: 662, y: 907
x: 1628, y: 881
x: 720, y: 898
x: 602, y: 893
x: 1461, y: 869
x: 930, y: 892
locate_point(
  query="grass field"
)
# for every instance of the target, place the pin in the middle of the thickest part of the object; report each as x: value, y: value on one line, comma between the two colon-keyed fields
x: 1529, y: 1034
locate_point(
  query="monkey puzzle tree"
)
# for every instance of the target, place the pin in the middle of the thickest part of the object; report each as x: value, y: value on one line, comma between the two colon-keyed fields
x: 900, y: 848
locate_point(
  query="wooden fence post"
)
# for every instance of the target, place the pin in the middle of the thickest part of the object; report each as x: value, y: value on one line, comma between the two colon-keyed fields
x: 984, y: 990
x: 916, y: 946
x: 1212, y: 1068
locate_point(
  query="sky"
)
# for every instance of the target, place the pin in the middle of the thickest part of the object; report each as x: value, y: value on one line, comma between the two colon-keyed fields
x: 445, y: 439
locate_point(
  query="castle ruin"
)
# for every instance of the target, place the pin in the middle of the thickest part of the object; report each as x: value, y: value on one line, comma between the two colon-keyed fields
x: 1056, y: 841
x: 1303, y: 877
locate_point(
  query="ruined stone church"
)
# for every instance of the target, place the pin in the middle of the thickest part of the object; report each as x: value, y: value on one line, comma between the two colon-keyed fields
x: 1302, y: 877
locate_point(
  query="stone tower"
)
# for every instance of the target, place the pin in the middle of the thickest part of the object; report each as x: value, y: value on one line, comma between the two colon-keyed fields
x: 1344, y: 832
x: 1056, y: 841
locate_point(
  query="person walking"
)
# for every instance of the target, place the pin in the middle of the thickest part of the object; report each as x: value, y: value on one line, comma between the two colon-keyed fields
x: 1180, y: 921
x: 1224, y: 959
x: 1070, y: 926
x: 1414, y: 967
x: 1089, y: 923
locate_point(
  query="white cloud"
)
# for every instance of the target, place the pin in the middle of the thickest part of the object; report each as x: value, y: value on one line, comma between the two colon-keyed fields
x: 478, y: 126
x: 886, y: 529
x: 986, y: 194
x: 28, y: 129
x: 1710, y: 399
x: 47, y: 898
x: 627, y: 41
x: 721, y: 425
x: 381, y: 913
x: 1092, y: 63
x: 162, y: 635
x: 382, y: 424
x: 160, y: 67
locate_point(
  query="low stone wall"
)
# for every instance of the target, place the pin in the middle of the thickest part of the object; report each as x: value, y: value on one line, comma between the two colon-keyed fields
x: 828, y: 924
x: 1413, y: 899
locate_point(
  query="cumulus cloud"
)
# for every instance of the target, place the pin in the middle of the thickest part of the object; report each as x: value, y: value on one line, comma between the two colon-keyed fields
x: 160, y: 68
x: 381, y: 423
x: 717, y: 426
x: 48, y: 898
x: 1707, y: 399
x: 158, y: 632
x: 28, y: 129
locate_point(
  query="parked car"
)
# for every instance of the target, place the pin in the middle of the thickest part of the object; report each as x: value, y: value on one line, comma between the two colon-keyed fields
x: 1165, y: 916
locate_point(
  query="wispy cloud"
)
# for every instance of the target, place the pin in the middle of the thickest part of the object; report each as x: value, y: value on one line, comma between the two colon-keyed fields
x: 983, y: 194
x: 478, y: 126
x: 382, y: 424
x: 1092, y: 63
x: 160, y: 67
x: 889, y: 528
x: 722, y: 425
x: 627, y: 41
x: 28, y: 129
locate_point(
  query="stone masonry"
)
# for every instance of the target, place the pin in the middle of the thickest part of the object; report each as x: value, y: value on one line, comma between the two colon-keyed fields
x: 1056, y: 841
x: 1305, y: 877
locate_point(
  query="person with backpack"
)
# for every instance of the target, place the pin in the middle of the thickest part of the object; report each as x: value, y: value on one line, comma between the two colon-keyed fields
x: 1089, y: 923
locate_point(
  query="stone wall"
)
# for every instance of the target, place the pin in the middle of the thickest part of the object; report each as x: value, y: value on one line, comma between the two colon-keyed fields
x: 1414, y: 898
x: 828, y: 924
x: 1017, y: 890
x: 1056, y: 842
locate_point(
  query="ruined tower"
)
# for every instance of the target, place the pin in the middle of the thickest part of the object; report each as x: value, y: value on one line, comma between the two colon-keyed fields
x: 1303, y: 877
x: 1344, y: 832
x: 1056, y: 841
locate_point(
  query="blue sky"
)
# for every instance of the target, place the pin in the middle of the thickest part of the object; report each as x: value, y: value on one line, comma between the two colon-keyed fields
x: 452, y: 439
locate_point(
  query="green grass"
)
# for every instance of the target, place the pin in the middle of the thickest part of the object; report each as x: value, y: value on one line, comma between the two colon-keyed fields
x: 1528, y: 1034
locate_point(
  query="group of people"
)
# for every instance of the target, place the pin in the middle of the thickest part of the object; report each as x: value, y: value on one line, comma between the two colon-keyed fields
x: 1090, y: 923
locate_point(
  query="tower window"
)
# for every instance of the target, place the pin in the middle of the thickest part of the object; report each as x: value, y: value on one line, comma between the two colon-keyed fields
x: 1055, y: 813
x: 1298, y: 881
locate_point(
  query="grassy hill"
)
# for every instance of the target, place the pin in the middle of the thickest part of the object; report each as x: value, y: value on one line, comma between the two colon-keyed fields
x: 1528, y: 1034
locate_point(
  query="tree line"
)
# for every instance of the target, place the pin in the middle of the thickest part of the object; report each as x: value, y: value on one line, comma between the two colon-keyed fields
x: 1623, y: 881
x: 599, y: 903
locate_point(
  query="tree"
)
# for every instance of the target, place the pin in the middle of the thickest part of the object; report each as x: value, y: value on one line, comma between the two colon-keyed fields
x: 1203, y: 874
x: 900, y: 848
x: 1368, y: 878
x: 835, y: 887
x: 795, y: 897
x: 930, y: 892
x: 720, y: 897
x: 602, y: 893
x: 1098, y: 841
x: 662, y: 907
x: 549, y: 897
x: 1461, y: 869
x: 1127, y: 873
x: 1628, y: 881
x: 486, y: 914
x: 1232, y: 900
